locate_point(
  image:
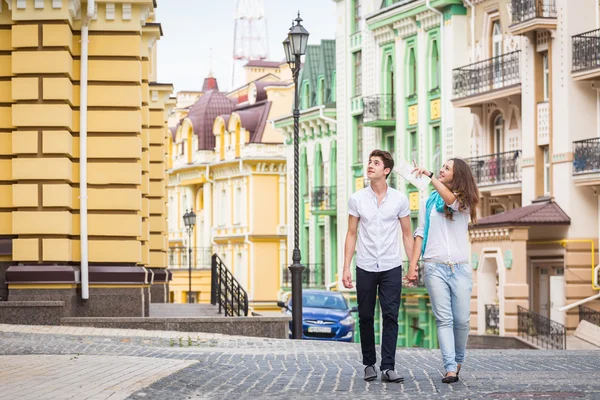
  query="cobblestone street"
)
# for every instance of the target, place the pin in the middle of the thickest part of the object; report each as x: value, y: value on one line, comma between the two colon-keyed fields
x: 146, y: 365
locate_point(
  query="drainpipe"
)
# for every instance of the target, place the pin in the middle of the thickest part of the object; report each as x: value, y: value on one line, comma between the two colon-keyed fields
x: 442, y: 58
x: 468, y: 2
x: 83, y: 210
x: 324, y: 118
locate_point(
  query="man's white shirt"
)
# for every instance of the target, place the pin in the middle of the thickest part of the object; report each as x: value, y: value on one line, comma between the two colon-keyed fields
x: 378, y: 247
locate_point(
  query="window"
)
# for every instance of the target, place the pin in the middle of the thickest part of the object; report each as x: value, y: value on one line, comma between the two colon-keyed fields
x: 498, y: 134
x: 546, y: 73
x: 359, y: 141
x: 436, y: 142
x: 241, y: 272
x: 223, y: 208
x: 358, y: 23
x: 306, y: 95
x: 435, y: 66
x: 357, y: 73
x: 496, y: 39
x: 237, y: 211
x: 321, y: 100
x: 546, y: 171
x: 333, y: 86
x: 412, y: 73
x: 414, y: 147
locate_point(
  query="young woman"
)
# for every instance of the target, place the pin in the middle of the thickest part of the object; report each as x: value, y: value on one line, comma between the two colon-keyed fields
x: 443, y: 241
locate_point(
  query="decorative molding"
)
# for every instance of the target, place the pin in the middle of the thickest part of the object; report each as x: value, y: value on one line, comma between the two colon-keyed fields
x: 489, y: 235
x: 406, y: 27
x: 21, y: 4
x: 384, y: 34
x: 474, y: 261
x: 508, y: 259
x: 428, y: 20
x: 75, y: 8
x: 38, y: 4
x: 127, y: 8
x: 527, y: 162
x: 57, y: 4
x: 110, y: 11
x: 144, y: 14
x: 562, y: 158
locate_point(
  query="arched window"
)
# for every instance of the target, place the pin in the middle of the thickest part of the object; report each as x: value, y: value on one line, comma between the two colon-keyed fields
x: 498, y: 134
x: 496, y: 39
x: 435, y: 66
x: 412, y: 72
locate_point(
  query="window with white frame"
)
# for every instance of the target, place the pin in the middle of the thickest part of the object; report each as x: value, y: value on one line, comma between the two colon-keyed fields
x: 546, y: 72
x: 546, y: 151
x: 238, y: 208
x: 223, y: 207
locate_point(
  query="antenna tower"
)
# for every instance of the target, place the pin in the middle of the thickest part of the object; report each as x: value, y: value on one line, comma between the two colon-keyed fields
x: 250, y: 34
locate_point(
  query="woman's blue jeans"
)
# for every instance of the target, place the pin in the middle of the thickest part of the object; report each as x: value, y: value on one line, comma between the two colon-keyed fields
x: 450, y: 294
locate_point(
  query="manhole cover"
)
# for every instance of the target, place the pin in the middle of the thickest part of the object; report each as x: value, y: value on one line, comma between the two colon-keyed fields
x: 536, y: 395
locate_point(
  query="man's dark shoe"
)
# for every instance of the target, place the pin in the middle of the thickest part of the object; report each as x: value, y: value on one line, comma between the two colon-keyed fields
x: 370, y: 373
x: 391, y: 376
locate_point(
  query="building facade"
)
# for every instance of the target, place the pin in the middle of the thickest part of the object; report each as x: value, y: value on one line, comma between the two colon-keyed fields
x: 533, y: 133
x: 228, y: 165
x: 49, y: 227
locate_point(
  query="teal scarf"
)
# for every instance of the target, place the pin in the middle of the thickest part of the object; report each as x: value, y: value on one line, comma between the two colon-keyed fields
x: 434, y: 200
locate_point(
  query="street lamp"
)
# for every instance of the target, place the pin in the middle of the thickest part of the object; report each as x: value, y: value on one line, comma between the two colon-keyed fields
x: 294, y: 46
x: 189, y: 218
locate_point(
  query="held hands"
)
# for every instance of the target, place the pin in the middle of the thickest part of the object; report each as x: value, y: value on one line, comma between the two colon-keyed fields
x: 347, y: 279
x: 412, y: 276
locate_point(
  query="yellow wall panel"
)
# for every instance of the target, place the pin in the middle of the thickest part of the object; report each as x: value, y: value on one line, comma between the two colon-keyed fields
x: 145, y: 116
x: 5, y: 143
x: 42, y: 222
x: 25, y: 142
x: 114, y: 173
x: 146, y: 160
x: 118, y: 147
x: 115, y: 45
x: 58, y: 195
x: 145, y: 93
x: 49, y: 13
x: 158, y: 189
x: 115, y: 251
x: 157, y: 153
x: 26, y: 249
x: 42, y: 168
x: 58, y: 89
x: 5, y: 66
x: 58, y: 35
x: 157, y: 224
x: 268, y: 204
x: 42, y: 62
x: 6, y: 223
x: 115, y: 70
x: 145, y: 138
x: 114, y: 96
x: 6, y: 95
x: 114, y: 225
x: 25, y: 36
x: 6, y: 117
x: 114, y: 199
x: 57, y: 250
x: 114, y: 121
x: 25, y: 195
x: 158, y: 206
x: 157, y: 136
x: 5, y: 170
x: 145, y: 184
x: 145, y: 207
x: 158, y: 242
x: 6, y: 200
x: 145, y: 253
x: 25, y: 88
x: 157, y: 171
x: 5, y: 40
x: 59, y: 142
x: 145, y: 229
x: 51, y: 115
x: 157, y: 118
x: 158, y: 259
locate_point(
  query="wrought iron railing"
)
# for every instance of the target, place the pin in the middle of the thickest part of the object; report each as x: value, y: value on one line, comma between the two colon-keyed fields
x: 313, y: 276
x: 492, y: 319
x: 586, y: 50
x: 324, y: 198
x: 525, y: 10
x: 179, y: 257
x: 540, y: 330
x: 420, y: 272
x: 586, y: 156
x: 226, y: 291
x: 589, y: 315
x: 495, y: 169
x: 380, y: 107
x: 484, y: 76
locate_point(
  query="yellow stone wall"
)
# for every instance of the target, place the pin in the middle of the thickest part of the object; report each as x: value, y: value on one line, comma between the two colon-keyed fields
x: 39, y: 134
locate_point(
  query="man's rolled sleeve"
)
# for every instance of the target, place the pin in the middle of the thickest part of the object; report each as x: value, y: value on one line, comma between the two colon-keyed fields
x: 353, y: 207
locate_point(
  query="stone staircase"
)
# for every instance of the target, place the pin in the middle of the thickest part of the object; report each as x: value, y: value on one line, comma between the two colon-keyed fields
x: 168, y: 310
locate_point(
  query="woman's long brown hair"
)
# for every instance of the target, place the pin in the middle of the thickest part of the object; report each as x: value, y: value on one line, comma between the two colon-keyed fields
x: 464, y: 187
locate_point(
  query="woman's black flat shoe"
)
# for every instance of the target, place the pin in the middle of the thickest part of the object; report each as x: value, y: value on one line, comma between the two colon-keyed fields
x: 450, y: 379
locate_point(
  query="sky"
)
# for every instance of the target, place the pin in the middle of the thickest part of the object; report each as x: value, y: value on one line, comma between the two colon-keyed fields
x: 192, y: 27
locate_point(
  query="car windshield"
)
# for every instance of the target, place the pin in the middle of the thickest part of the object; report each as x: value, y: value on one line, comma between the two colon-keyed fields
x: 323, y: 300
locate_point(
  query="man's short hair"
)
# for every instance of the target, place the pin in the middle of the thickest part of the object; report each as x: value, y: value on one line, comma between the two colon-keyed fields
x: 386, y: 157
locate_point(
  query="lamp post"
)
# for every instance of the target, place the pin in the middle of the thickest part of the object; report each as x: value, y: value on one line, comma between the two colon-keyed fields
x: 294, y: 46
x: 189, y: 218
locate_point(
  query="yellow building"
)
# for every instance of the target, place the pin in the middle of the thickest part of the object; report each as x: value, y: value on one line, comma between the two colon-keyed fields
x: 229, y: 165
x: 80, y: 100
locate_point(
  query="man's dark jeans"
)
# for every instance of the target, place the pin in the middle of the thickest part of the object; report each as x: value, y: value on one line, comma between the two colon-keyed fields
x: 389, y: 284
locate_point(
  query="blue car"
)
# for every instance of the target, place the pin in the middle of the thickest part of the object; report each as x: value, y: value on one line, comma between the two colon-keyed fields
x: 325, y: 316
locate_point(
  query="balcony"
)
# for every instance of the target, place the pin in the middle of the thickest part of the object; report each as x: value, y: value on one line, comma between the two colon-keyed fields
x: 356, y: 105
x: 313, y: 276
x: 586, y: 56
x: 201, y: 257
x: 586, y: 162
x: 531, y: 15
x: 356, y: 41
x: 379, y: 110
x: 487, y: 80
x: 500, y: 172
x: 324, y: 200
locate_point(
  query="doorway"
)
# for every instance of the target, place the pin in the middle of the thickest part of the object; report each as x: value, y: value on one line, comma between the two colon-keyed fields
x: 548, y: 289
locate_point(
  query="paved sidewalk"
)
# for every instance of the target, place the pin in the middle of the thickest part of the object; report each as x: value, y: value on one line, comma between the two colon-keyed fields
x: 171, y: 365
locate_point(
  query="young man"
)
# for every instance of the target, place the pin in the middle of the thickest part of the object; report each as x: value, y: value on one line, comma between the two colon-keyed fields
x: 377, y: 211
